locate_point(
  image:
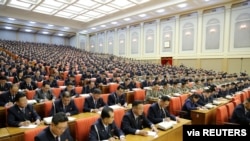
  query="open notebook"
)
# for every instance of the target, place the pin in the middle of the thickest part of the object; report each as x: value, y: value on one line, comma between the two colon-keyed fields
x: 165, y: 125
x: 48, y: 120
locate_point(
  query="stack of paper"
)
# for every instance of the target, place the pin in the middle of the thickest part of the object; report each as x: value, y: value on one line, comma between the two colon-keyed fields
x: 33, y: 101
x: 29, y: 126
x: 165, y: 125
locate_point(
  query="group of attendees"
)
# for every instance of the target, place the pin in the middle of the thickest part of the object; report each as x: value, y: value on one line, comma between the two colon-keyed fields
x: 162, y: 82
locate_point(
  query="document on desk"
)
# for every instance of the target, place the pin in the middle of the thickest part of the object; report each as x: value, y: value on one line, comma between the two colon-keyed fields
x: 116, y: 107
x: 151, y: 133
x: 29, y: 126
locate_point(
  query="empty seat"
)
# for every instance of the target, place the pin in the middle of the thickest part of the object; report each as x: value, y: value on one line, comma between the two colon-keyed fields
x: 140, y: 94
x: 79, y: 102
x: 83, y: 126
x: 175, y: 106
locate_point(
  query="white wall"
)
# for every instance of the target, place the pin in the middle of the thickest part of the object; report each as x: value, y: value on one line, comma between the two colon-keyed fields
x: 30, y: 37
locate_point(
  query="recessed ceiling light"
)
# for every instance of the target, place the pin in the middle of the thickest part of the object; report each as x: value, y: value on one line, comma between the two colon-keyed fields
x: 127, y: 19
x: 207, y: 0
x: 113, y: 22
x: 103, y: 25
x: 160, y: 10
x: 45, y: 32
x: 66, y: 27
x: 12, y: 19
x: 93, y: 28
x: 28, y: 30
x: 60, y: 34
x: 142, y: 15
x: 182, y: 5
x: 7, y: 27
x: 32, y: 22
x: 50, y: 25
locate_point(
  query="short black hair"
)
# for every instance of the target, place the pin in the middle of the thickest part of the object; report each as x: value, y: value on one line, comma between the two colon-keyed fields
x: 136, y: 103
x: 70, y: 83
x: 59, y: 117
x: 3, y: 78
x: 105, y: 112
x: 45, y: 83
x: 97, y: 91
x: 18, y: 96
x: 164, y: 98
x: 196, y: 96
x: 120, y: 87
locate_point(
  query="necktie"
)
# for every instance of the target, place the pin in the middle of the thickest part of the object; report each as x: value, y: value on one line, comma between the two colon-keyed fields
x: 95, y: 103
x: 163, y: 113
x: 137, y: 122
x: 23, y: 110
x: 57, y: 138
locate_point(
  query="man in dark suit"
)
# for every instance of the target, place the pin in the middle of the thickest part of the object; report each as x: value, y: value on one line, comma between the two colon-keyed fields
x: 69, y: 88
x: 147, y: 82
x: 241, y: 113
x: 4, y: 86
x: 28, y: 84
x: 94, y: 102
x: 44, y: 94
x: 158, y: 111
x: 89, y: 88
x: 101, y: 80
x: 128, y: 85
x: 22, y: 114
x: 134, y: 120
x: 52, y: 81
x: 104, y: 128
x: 64, y: 104
x: 57, y: 131
x: 7, y: 99
x: 205, y: 97
x: 117, y: 97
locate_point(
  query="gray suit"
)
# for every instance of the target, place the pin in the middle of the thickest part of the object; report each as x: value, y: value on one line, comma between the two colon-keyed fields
x: 40, y: 95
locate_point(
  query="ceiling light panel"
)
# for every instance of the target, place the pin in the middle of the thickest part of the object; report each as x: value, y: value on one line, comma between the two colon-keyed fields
x: 45, y: 10
x: 139, y: 1
x: 66, y: 1
x: 87, y: 4
x: 93, y: 14
x: 103, y: 1
x: 52, y: 4
x: 30, y: 1
x: 121, y: 4
x: 82, y: 18
x: 65, y: 14
x: 74, y: 9
x: 20, y: 5
x: 106, y: 9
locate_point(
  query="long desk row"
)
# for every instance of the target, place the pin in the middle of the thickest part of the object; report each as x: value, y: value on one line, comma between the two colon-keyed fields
x: 175, y: 133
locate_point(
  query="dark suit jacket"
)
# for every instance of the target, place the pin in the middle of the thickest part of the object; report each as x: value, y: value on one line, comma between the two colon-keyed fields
x: 23, y: 85
x: 240, y: 116
x: 114, y: 99
x: 103, y: 134
x: 89, y: 104
x: 40, y: 95
x: 72, y: 92
x: 100, y: 80
x: 203, y: 100
x: 188, y: 106
x: 129, y: 125
x: 71, y: 108
x: 5, y: 87
x: 129, y: 86
x: 15, y: 115
x: 156, y: 115
x: 5, y: 98
x: 46, y: 135
x: 87, y: 90
x: 52, y: 84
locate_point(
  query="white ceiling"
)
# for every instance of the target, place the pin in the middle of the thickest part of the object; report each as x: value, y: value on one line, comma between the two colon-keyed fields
x: 87, y: 16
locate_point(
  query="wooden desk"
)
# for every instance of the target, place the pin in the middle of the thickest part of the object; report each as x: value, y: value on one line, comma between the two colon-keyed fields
x: 4, y: 134
x: 104, y: 89
x: 173, y: 134
x: 2, y: 117
x: 204, y: 117
x: 129, y: 96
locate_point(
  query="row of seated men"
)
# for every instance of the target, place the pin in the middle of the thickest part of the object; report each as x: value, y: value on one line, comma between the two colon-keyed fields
x: 133, y: 121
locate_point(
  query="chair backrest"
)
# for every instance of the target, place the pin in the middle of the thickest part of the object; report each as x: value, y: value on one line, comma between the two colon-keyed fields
x: 113, y: 87
x: 236, y: 102
x: 47, y: 108
x: 60, y: 82
x: 237, y: 96
x: 221, y: 115
x: 39, y: 84
x: 78, y: 79
x: 118, y: 115
x: 83, y: 126
x: 79, y: 102
x: 105, y: 97
x: 140, y: 94
x: 175, y: 105
x: 244, y: 96
x: 145, y: 109
x: 183, y: 98
x: 65, y: 75
x: 56, y: 92
x: 230, y: 108
x: 29, y: 135
x: 30, y: 94
x: 78, y: 89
